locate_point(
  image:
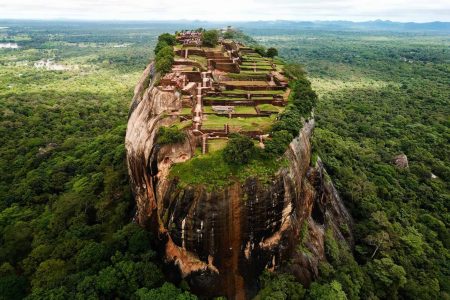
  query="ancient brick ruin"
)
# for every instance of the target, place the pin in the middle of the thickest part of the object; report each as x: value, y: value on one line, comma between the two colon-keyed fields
x: 223, y: 89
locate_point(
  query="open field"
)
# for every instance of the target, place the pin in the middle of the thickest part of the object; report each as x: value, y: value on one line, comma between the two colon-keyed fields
x: 237, y: 110
x: 270, y: 107
x: 236, y: 99
x: 248, y: 76
x: 244, y: 92
x: 250, y: 64
x: 237, y: 124
x: 216, y: 145
x: 200, y: 59
x: 257, y: 67
x: 186, y: 111
x: 244, y: 110
x: 246, y: 83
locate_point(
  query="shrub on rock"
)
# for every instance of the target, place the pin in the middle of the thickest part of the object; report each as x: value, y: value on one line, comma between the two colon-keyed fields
x: 239, y: 150
x: 278, y: 144
x: 170, y: 135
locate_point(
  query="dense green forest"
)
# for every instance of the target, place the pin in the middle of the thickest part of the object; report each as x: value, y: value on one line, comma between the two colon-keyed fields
x: 66, y: 210
x: 383, y: 94
x: 66, y: 206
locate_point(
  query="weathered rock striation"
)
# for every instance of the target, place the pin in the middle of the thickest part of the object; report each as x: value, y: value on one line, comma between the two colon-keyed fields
x: 220, y: 240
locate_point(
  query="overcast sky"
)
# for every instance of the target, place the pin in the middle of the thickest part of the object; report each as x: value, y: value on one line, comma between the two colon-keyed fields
x: 228, y: 10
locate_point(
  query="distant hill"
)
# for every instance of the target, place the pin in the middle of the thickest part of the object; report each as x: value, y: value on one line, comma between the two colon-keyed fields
x: 172, y: 25
x: 348, y: 25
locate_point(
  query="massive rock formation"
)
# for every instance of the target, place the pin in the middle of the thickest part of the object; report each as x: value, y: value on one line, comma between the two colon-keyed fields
x: 220, y: 240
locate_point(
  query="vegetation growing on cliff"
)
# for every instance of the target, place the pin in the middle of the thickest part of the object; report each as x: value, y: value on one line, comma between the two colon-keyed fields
x: 213, y: 171
x: 164, y: 52
x: 170, y: 135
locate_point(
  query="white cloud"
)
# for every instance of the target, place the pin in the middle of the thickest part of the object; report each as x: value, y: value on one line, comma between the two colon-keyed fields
x: 229, y: 10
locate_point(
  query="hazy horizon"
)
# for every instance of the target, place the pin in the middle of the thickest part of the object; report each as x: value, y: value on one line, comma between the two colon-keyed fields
x: 232, y: 11
x: 209, y: 21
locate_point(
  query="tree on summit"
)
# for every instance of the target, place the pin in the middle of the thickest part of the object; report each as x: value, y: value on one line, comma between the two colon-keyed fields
x: 239, y: 150
x: 272, y: 52
x: 210, y: 38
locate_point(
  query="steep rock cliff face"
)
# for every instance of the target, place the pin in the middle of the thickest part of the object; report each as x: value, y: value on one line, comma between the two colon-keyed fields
x: 221, y: 240
x: 146, y: 116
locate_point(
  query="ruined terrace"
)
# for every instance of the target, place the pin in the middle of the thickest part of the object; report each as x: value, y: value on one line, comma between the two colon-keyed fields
x: 225, y: 89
